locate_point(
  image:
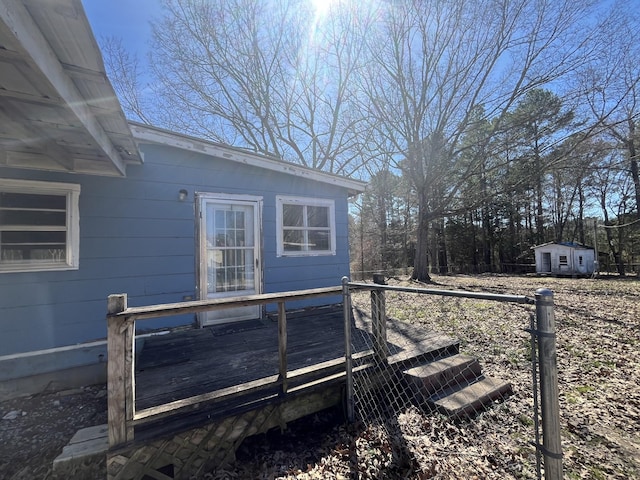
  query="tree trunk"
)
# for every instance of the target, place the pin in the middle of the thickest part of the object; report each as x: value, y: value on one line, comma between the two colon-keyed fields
x: 581, y: 200
x: 487, y: 244
x: 616, y: 253
x: 512, y: 238
x: 539, y: 174
x: 421, y: 261
x: 634, y: 163
x: 474, y: 244
x: 443, y: 262
x: 612, y: 247
x: 382, y: 226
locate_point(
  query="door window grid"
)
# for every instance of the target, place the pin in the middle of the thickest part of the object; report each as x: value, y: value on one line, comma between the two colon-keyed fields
x: 229, y: 256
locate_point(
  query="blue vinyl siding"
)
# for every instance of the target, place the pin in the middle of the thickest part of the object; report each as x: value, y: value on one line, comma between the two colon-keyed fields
x: 136, y: 237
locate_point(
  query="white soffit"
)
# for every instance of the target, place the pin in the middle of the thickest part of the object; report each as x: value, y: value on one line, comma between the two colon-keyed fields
x: 58, y: 110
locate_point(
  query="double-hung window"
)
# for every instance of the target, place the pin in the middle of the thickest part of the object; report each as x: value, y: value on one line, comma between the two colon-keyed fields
x: 306, y: 226
x: 39, y: 226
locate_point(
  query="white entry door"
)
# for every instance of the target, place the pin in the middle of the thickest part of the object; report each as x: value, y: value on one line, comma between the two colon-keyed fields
x: 229, y: 258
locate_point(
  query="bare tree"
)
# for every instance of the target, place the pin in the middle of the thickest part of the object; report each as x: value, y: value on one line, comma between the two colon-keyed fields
x: 613, y: 186
x: 436, y: 62
x: 274, y: 77
x: 610, y: 85
x: 124, y: 70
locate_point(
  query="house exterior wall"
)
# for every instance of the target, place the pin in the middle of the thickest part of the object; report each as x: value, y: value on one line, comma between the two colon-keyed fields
x: 573, y: 265
x: 137, y: 237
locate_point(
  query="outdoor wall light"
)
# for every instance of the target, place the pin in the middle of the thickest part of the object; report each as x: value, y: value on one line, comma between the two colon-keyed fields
x: 182, y: 195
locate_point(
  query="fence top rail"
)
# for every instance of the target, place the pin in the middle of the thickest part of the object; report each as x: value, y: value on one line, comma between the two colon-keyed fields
x: 446, y: 293
x: 195, y: 306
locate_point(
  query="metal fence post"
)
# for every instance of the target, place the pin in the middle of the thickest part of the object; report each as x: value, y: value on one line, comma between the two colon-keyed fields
x: 549, y: 403
x: 346, y: 306
x: 379, y: 320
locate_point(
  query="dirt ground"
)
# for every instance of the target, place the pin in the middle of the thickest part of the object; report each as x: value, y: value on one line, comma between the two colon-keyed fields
x: 598, y: 326
x: 34, y: 429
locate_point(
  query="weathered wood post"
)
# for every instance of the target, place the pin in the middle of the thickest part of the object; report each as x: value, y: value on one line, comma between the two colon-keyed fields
x: 549, y: 403
x: 282, y: 346
x: 120, y: 387
x: 346, y: 308
x: 379, y: 319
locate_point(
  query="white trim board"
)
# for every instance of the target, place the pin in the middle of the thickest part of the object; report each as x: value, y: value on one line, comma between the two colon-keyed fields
x: 145, y: 133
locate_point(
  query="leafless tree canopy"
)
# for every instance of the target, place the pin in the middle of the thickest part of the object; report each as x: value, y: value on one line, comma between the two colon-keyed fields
x: 270, y: 76
x: 429, y: 90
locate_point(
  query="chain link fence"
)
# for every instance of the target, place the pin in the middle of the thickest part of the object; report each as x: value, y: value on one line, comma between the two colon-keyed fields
x: 445, y: 384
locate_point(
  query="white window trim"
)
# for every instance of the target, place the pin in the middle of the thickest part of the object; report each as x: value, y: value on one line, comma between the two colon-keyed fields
x: 312, y: 202
x: 72, y: 191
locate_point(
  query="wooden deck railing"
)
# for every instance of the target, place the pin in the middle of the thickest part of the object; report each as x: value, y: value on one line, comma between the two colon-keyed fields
x: 121, y: 327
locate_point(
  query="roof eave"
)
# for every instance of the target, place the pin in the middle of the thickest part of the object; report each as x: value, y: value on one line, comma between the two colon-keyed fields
x: 149, y: 134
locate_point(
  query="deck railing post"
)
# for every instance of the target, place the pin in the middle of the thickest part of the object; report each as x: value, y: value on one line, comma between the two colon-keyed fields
x: 346, y: 308
x: 282, y: 346
x: 120, y: 386
x: 379, y: 319
x: 549, y: 403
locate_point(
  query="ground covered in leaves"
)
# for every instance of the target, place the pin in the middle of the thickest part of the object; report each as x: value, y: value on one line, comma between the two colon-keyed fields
x: 598, y: 352
x: 598, y: 355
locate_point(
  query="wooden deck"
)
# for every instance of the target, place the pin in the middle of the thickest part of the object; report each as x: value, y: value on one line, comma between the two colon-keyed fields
x: 184, y: 401
x: 187, y: 363
x: 181, y: 403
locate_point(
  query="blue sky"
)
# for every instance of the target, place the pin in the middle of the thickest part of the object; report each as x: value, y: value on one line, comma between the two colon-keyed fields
x: 126, y: 19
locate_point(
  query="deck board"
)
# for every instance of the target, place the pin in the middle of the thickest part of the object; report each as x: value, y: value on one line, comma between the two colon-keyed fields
x: 191, y: 362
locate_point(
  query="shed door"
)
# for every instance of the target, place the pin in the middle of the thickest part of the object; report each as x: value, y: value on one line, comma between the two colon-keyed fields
x: 229, y: 260
x: 546, y: 262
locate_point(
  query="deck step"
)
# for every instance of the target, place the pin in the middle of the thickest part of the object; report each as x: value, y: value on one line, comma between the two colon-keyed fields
x: 469, y: 400
x: 88, y: 447
x: 454, y: 385
x: 444, y: 373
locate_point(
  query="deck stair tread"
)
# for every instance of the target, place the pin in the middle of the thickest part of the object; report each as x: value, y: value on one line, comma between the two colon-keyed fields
x: 87, y: 444
x: 455, y: 385
x: 472, y: 398
x: 444, y: 373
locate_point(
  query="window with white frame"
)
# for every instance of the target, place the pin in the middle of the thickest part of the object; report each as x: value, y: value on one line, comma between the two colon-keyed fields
x: 306, y: 226
x: 563, y: 260
x: 39, y: 225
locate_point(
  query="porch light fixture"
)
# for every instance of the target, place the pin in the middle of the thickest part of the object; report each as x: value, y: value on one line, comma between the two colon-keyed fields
x: 182, y: 195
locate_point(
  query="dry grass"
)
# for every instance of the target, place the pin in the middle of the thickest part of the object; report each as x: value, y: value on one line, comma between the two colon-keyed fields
x: 598, y: 340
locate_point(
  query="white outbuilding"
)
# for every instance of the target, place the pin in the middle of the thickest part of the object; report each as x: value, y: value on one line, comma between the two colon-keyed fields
x: 564, y: 258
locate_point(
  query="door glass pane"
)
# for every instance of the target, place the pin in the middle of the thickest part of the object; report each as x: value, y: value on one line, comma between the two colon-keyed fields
x: 231, y: 219
x: 219, y: 218
x: 230, y: 266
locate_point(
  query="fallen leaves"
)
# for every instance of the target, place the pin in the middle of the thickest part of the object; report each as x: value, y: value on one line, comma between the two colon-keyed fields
x: 598, y: 356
